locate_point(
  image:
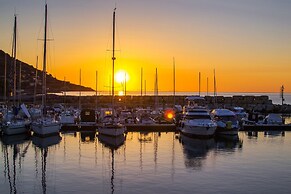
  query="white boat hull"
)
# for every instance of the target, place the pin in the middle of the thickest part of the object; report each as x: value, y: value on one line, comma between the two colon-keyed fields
x: 112, y: 130
x: 44, y: 129
x: 203, y: 131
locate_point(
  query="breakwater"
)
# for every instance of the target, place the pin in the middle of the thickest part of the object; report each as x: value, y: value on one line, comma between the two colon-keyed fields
x: 250, y: 103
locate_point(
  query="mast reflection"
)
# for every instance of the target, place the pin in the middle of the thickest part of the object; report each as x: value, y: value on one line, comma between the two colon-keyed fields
x: 14, y: 146
x: 113, y: 144
x: 43, y: 145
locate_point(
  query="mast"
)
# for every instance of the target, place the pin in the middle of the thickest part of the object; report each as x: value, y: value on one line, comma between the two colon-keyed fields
x: 156, y: 91
x: 65, y: 90
x: 113, y: 59
x: 19, y: 83
x: 199, y: 83
x: 214, y: 92
x: 207, y: 86
x: 5, y: 77
x: 96, y: 100
x: 80, y: 77
x: 141, y: 78
x: 44, y: 64
x: 174, y: 80
x: 145, y: 87
x: 14, y: 58
x: 35, y: 81
x: 125, y: 84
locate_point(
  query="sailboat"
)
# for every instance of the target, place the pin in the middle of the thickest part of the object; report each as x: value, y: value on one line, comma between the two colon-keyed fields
x: 46, y: 125
x: 16, y: 124
x: 112, y: 128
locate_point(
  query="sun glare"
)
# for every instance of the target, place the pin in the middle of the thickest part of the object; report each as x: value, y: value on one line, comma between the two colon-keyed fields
x: 120, y: 93
x: 121, y: 75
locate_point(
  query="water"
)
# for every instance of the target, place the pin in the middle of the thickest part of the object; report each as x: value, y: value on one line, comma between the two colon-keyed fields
x: 83, y: 162
x: 275, y: 97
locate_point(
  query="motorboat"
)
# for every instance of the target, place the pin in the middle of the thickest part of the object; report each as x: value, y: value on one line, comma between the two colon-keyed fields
x: 240, y: 113
x: 226, y: 120
x: 197, y: 122
x: 273, y: 119
x: 67, y: 117
x: 126, y: 117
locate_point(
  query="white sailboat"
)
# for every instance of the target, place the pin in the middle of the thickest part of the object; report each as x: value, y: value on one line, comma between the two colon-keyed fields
x: 15, y: 124
x: 114, y: 128
x: 46, y: 125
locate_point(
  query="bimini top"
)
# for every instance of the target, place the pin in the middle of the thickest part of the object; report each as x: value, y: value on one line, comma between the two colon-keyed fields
x: 222, y: 112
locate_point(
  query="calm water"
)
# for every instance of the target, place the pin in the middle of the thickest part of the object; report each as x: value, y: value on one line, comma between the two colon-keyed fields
x: 84, y: 162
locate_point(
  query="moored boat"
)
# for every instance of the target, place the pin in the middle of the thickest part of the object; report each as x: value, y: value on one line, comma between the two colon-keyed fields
x: 226, y: 120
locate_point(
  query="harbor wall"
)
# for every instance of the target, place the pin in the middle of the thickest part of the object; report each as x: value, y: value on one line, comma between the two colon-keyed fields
x: 250, y: 103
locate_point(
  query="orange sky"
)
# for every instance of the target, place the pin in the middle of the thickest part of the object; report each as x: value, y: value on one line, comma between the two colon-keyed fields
x: 248, y: 43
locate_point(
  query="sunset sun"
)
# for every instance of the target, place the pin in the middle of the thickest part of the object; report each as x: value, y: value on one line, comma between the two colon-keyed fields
x: 120, y: 76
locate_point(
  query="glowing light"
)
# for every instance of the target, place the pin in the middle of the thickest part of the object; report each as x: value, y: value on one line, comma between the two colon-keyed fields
x: 120, y: 76
x: 120, y: 93
x: 169, y: 114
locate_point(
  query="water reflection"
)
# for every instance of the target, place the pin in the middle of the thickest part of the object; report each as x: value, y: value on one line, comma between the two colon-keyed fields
x: 196, y: 150
x: 228, y: 143
x: 88, y: 136
x: 274, y: 133
x: 14, y: 147
x: 113, y: 144
x: 42, y: 145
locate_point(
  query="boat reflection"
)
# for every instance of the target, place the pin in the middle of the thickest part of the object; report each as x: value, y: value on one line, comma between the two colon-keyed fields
x: 113, y: 143
x: 276, y: 133
x: 195, y: 150
x: 88, y: 136
x: 14, y: 147
x: 42, y: 145
x: 15, y: 139
x: 228, y: 143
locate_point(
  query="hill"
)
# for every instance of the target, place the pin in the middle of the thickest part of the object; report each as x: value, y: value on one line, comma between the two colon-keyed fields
x: 28, y: 74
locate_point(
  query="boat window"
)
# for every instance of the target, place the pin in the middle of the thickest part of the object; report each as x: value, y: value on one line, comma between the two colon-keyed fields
x: 197, y: 117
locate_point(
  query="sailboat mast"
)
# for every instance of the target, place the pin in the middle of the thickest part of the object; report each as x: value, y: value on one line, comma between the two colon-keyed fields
x: 44, y: 63
x: 214, y: 92
x: 96, y: 100
x: 174, y: 81
x: 14, y: 59
x: 113, y: 59
x: 156, y: 91
x: 5, y: 77
x: 35, y: 81
x: 199, y: 83
x: 141, y: 78
x: 19, y: 83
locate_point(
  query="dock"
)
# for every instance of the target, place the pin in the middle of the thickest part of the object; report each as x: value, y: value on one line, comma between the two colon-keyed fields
x: 266, y: 127
x: 129, y: 127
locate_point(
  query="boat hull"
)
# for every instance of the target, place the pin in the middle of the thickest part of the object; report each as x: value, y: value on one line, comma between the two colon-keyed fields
x: 45, y: 129
x: 198, y: 131
x: 112, y: 130
x: 17, y: 128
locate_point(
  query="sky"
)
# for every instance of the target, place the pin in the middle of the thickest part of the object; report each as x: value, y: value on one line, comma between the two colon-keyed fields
x: 247, y: 42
